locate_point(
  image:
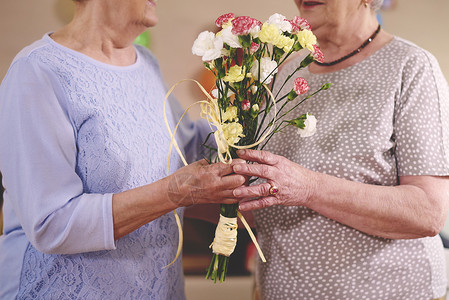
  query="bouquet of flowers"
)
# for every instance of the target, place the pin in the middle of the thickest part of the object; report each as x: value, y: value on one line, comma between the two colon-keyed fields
x: 244, y: 57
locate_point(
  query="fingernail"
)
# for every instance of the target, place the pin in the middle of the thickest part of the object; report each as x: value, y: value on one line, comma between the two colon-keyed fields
x: 240, y: 152
x: 237, y: 168
x: 237, y: 193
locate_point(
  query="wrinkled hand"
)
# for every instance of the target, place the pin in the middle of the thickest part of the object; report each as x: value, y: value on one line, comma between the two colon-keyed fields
x: 295, y: 183
x: 201, y: 182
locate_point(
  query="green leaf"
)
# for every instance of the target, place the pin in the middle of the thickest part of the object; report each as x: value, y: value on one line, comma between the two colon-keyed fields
x: 245, y: 40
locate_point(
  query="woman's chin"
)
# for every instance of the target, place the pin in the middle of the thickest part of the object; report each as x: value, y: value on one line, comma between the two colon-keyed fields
x: 152, y: 2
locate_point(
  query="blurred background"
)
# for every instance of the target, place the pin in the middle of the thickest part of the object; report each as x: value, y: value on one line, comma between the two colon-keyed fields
x: 425, y: 23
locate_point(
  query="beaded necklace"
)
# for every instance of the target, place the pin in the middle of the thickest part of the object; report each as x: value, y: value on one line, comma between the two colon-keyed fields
x: 365, y: 43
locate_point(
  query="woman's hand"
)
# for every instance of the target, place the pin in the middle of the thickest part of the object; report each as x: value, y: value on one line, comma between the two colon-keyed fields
x: 294, y: 183
x: 197, y: 183
x: 201, y: 182
x: 416, y: 208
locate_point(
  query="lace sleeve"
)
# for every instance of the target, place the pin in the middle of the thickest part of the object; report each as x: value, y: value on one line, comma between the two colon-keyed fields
x: 38, y: 158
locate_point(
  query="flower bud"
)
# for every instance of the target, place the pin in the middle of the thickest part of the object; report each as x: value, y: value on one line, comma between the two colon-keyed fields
x: 292, y: 95
x: 254, y: 111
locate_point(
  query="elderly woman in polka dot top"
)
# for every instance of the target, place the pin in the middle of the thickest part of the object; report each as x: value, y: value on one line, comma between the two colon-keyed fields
x: 354, y: 211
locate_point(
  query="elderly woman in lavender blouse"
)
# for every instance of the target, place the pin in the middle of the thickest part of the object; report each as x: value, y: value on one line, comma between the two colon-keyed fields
x: 87, y: 206
x: 354, y: 211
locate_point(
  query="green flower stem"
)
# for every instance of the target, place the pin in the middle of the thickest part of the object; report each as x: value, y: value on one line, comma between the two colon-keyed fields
x: 272, y: 133
x: 323, y: 87
x: 262, y: 122
x: 269, y: 106
x: 306, y: 61
x: 218, y: 267
x: 287, y: 79
x: 276, y: 118
x: 259, y: 135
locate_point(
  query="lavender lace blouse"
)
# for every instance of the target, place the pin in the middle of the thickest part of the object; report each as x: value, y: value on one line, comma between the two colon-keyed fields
x: 73, y: 132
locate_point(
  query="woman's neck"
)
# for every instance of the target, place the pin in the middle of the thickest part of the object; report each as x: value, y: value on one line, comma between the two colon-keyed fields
x: 92, y: 35
x: 339, y: 41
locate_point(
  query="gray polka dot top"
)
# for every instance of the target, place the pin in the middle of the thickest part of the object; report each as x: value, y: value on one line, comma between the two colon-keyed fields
x: 384, y: 117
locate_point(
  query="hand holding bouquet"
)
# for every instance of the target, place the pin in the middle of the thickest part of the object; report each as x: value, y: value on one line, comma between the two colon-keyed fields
x: 244, y: 57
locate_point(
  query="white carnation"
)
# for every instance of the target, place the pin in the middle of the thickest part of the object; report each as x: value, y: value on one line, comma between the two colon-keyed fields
x: 309, y: 127
x: 208, y: 46
x: 215, y: 93
x: 281, y: 22
x: 229, y: 38
x: 268, y: 68
x: 254, y: 32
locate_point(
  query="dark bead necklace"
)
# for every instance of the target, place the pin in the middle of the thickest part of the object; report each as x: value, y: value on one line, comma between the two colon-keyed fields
x: 369, y: 40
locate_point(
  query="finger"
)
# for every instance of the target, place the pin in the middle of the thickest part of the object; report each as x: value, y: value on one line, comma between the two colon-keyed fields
x: 257, y: 170
x: 220, y: 189
x: 238, y: 161
x: 215, y: 195
x: 220, y: 169
x: 259, y: 190
x: 226, y: 169
x: 232, y: 181
x: 260, y: 156
x: 258, y: 203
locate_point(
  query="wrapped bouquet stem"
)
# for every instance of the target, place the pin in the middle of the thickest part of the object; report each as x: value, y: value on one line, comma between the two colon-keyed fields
x: 244, y: 57
x: 224, y: 243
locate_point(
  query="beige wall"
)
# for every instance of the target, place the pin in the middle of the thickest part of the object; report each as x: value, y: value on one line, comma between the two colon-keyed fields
x: 23, y: 21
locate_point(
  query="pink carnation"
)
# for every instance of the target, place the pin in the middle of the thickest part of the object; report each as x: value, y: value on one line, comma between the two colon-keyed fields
x: 317, y: 54
x: 295, y: 27
x: 223, y: 19
x: 300, y: 86
x: 246, y: 105
x: 243, y: 25
x: 254, y: 47
x: 301, y: 23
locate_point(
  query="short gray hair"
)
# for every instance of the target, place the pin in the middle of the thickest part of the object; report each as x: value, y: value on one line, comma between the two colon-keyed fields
x: 376, y: 4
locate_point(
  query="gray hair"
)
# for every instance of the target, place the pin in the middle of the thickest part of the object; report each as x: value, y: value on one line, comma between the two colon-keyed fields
x: 376, y: 4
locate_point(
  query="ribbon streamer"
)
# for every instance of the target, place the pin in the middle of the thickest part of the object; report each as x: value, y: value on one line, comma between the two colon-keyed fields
x: 252, y: 236
x: 211, y: 112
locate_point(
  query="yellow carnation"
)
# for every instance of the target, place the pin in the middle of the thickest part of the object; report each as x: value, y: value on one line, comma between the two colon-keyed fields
x: 230, y: 114
x: 269, y: 33
x: 233, y: 132
x: 285, y: 43
x: 307, y: 39
x: 235, y: 74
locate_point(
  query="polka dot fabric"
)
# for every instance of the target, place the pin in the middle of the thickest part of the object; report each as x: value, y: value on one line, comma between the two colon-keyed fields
x: 384, y: 117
